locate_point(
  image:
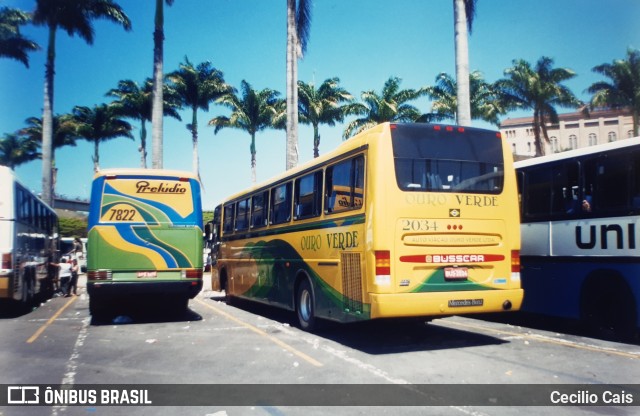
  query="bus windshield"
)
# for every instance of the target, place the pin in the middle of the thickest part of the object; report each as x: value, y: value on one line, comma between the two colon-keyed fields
x: 147, y: 200
x: 471, y: 162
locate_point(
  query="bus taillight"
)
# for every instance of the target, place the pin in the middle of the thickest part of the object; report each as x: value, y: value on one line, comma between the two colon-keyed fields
x: 99, y: 275
x: 192, y: 274
x: 383, y: 263
x: 6, y: 261
x: 515, y: 264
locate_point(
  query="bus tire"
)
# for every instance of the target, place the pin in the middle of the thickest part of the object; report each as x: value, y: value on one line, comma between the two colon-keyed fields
x: 305, y: 306
x: 608, y: 309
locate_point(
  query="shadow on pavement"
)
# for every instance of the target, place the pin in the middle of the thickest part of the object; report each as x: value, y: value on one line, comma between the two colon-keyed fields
x: 144, y: 312
x: 382, y: 336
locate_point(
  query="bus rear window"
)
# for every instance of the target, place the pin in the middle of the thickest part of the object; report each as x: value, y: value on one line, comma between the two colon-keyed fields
x: 147, y: 200
x: 443, y: 161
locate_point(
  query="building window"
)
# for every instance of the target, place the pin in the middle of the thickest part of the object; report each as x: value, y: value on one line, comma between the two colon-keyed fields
x: 573, y: 141
x: 593, y: 139
x: 612, y: 136
x: 554, y: 144
x: 514, y: 148
x: 630, y: 134
x: 529, y: 147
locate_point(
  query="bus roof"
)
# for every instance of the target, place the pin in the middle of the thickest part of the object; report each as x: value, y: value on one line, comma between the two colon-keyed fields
x: 145, y: 173
x: 353, y: 143
x: 8, y: 174
x: 619, y: 144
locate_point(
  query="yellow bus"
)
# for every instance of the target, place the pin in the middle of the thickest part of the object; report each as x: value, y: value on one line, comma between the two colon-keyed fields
x: 402, y: 220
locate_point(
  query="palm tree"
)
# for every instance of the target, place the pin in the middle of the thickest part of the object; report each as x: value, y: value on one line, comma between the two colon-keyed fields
x: 464, y: 12
x: 99, y: 124
x: 134, y: 102
x: 74, y: 17
x: 390, y: 105
x: 253, y: 112
x: 158, y: 90
x: 12, y: 44
x: 623, y: 90
x: 484, y: 99
x: 198, y: 87
x: 322, y: 106
x: 16, y: 150
x: 64, y: 134
x: 298, y: 29
x: 539, y: 89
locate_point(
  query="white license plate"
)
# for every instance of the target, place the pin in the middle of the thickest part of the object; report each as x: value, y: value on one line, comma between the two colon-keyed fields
x: 147, y: 274
x: 456, y: 273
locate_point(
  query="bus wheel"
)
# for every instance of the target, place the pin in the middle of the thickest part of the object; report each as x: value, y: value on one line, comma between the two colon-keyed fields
x: 305, y: 306
x: 609, y: 310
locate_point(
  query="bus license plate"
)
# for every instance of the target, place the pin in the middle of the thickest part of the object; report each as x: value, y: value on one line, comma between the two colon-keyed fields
x: 456, y: 273
x: 147, y: 274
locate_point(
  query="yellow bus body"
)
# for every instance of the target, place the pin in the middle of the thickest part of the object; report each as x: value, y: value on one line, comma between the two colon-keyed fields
x: 391, y: 253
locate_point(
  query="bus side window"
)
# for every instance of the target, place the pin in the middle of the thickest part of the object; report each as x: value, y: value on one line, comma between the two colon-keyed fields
x: 259, y: 208
x: 635, y: 174
x: 227, y: 226
x: 565, y: 198
x: 281, y: 204
x: 339, y: 190
x: 307, y: 200
x: 242, y: 215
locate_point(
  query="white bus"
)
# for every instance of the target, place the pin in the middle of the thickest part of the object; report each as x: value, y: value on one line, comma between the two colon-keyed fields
x: 580, y: 213
x: 29, y: 241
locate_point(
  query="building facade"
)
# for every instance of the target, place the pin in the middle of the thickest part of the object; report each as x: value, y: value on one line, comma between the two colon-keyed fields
x: 575, y: 130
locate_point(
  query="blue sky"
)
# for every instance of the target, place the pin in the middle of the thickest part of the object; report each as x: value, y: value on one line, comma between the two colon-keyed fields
x: 363, y: 42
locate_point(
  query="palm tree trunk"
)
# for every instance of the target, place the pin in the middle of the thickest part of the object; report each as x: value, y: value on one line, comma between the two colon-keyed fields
x: 536, y: 133
x: 462, y: 63
x: 96, y: 155
x: 292, y: 87
x: 316, y: 141
x: 253, y: 158
x: 143, y: 145
x: 158, y: 99
x: 47, y: 121
x: 194, y: 139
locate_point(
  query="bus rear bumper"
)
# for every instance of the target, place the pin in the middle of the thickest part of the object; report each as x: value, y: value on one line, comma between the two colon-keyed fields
x: 185, y: 288
x: 396, y: 305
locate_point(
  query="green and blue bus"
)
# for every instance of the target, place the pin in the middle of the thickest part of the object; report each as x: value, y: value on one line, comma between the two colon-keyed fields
x: 144, y: 237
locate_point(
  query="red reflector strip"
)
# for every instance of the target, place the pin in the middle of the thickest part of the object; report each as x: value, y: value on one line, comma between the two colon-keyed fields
x: 99, y: 275
x: 451, y: 258
x: 193, y: 274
